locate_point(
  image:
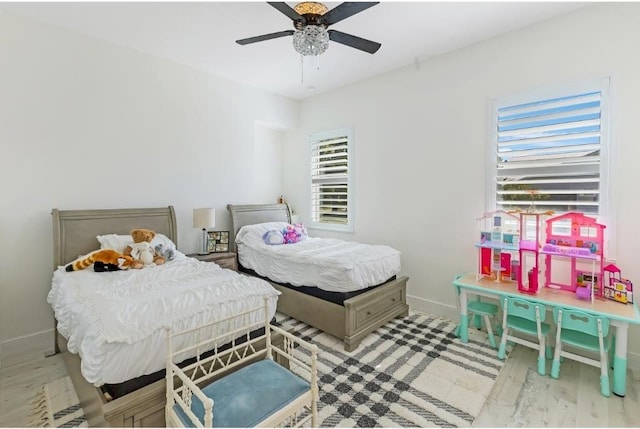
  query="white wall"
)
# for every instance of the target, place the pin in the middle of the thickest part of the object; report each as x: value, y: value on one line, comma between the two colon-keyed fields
x: 88, y: 124
x: 410, y: 124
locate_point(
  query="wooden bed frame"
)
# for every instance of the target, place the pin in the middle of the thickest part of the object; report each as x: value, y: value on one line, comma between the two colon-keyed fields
x: 74, y: 233
x: 359, y: 316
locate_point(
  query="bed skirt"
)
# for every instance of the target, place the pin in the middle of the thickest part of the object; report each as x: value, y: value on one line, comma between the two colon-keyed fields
x: 118, y: 390
x: 335, y: 297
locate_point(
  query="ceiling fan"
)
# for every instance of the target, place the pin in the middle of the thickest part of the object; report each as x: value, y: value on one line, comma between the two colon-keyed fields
x: 310, y: 20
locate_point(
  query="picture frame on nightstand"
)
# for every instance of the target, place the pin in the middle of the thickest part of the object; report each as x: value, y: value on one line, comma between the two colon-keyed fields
x: 218, y: 241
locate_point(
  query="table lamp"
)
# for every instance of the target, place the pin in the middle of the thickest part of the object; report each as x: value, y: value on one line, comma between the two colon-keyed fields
x: 204, y: 218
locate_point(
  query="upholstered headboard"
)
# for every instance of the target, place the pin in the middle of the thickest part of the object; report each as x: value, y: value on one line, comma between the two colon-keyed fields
x: 250, y: 214
x: 75, y: 231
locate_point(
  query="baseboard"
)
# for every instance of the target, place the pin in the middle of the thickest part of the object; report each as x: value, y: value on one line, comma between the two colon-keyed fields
x: 25, y: 348
x: 451, y: 312
x: 432, y: 307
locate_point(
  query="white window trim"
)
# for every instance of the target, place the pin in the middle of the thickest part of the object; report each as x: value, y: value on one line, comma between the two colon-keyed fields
x: 607, y: 197
x: 350, y: 200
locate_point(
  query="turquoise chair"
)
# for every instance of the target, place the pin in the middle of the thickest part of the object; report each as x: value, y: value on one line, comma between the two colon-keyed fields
x: 587, y: 332
x: 484, y: 311
x: 522, y: 316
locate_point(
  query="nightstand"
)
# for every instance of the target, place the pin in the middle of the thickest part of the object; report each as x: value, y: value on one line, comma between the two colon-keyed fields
x: 224, y: 259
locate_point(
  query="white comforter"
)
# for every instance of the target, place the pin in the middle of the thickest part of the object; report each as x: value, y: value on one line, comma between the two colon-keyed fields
x: 329, y: 264
x: 116, y: 320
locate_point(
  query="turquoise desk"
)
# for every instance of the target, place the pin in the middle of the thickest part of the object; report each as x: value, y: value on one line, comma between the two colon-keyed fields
x: 620, y: 315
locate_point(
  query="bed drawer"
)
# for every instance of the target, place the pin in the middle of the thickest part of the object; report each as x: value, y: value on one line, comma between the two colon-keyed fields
x: 371, y: 311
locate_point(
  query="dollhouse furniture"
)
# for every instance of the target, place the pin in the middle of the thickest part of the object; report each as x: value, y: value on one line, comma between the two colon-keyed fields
x: 529, y: 252
x: 499, y: 232
x: 261, y: 392
x: 585, y: 331
x: 615, y: 287
x: 619, y: 316
x: 520, y: 315
x: 486, y: 311
x: 576, y: 241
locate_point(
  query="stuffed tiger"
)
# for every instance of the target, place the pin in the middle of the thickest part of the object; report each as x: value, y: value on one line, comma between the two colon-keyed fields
x: 104, y: 256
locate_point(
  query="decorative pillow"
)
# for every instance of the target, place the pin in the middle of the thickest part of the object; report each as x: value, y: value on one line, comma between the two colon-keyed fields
x: 294, y: 233
x: 120, y: 241
x: 273, y: 237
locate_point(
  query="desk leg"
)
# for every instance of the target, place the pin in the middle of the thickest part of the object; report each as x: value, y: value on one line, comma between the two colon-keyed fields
x: 464, y: 319
x: 620, y: 360
x: 477, y: 319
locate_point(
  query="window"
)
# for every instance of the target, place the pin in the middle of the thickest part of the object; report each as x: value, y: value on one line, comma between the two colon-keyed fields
x: 551, y: 151
x: 331, y: 199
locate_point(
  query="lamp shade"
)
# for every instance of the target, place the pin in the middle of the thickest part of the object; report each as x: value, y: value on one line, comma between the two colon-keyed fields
x: 204, y: 218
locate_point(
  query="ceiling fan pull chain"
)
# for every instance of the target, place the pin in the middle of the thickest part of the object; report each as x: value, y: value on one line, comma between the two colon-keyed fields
x: 318, y: 62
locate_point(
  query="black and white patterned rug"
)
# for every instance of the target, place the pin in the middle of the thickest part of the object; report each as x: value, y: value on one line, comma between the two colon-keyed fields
x: 413, y: 372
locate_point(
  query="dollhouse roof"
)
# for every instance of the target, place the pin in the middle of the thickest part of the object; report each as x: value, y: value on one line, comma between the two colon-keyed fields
x: 577, y: 217
x: 496, y: 213
x: 612, y: 268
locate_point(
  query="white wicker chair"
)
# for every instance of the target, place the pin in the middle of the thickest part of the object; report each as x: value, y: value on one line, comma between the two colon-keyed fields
x: 239, y: 384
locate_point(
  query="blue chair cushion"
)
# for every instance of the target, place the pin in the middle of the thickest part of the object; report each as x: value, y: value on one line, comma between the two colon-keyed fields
x: 246, y: 397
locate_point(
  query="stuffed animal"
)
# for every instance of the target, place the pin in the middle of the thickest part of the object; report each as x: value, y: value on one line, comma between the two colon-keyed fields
x: 141, y: 250
x: 273, y: 237
x: 301, y: 231
x: 167, y: 253
x: 101, y: 267
x: 294, y: 233
x: 100, y: 258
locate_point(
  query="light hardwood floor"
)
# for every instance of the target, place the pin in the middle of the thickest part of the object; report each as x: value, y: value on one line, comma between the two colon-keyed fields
x: 520, y: 397
x: 523, y: 398
x: 20, y: 381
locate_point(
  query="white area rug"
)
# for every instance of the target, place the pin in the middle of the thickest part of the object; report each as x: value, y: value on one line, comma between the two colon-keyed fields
x: 57, y: 405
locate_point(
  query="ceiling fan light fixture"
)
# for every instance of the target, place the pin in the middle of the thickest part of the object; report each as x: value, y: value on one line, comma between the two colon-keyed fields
x: 312, y: 40
x: 310, y: 7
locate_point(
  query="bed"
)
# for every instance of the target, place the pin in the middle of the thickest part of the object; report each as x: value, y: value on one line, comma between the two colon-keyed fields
x: 349, y: 316
x: 128, y: 339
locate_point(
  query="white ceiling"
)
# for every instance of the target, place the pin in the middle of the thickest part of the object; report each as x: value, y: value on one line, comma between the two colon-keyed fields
x: 203, y: 34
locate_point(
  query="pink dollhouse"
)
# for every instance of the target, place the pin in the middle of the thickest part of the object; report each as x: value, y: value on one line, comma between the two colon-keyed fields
x: 564, y: 252
x: 575, y: 242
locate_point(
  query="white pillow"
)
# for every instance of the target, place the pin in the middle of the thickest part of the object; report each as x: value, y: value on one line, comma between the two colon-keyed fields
x: 164, y: 240
x: 119, y: 241
x: 114, y: 241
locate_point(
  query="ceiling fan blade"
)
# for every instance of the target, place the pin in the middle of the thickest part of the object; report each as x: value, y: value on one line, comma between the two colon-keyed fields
x: 345, y: 10
x: 287, y: 10
x: 354, y: 41
x: 265, y: 37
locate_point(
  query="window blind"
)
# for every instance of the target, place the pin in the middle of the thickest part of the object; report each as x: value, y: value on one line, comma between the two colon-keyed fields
x: 549, y: 153
x: 330, y: 180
